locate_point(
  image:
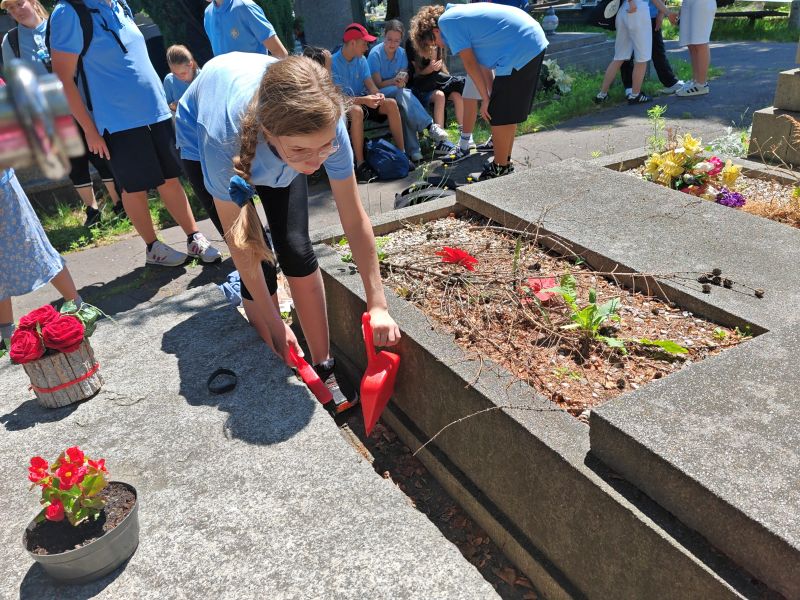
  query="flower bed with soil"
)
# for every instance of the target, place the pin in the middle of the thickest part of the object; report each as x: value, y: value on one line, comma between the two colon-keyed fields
x: 571, y: 333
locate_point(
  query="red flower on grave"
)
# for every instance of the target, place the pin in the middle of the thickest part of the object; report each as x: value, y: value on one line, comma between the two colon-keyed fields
x: 457, y: 256
x: 42, y: 315
x: 694, y: 190
x: 100, y: 465
x: 38, y: 470
x: 538, y: 284
x: 70, y: 475
x: 26, y: 346
x: 64, y: 334
x: 55, y: 512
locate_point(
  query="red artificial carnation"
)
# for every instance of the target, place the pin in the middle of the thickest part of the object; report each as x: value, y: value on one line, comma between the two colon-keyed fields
x: 457, y: 256
x: 26, y: 346
x: 64, y: 334
x: 55, y: 512
x: 42, y: 315
x: 70, y: 475
x: 38, y: 470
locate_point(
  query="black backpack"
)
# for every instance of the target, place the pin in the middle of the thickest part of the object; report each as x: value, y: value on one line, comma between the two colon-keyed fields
x: 87, y: 26
x: 13, y: 41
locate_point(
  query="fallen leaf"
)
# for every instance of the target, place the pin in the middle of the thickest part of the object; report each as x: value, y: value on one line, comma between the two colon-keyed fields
x: 507, y: 574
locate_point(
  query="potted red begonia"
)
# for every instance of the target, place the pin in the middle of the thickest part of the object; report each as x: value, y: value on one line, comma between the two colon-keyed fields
x: 53, y: 348
x: 88, y: 525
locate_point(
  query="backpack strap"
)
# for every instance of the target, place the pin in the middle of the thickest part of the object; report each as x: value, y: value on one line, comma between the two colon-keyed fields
x: 13, y: 40
x: 87, y: 27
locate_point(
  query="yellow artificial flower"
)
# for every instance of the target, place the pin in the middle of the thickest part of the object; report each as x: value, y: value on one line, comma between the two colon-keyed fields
x: 652, y: 165
x: 690, y: 146
x: 730, y: 173
x: 671, y: 167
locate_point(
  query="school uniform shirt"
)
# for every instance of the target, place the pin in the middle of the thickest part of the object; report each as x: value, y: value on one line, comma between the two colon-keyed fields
x: 503, y: 38
x: 32, y: 48
x: 207, y: 125
x: 379, y: 62
x: 174, y: 88
x: 125, y: 89
x: 237, y: 26
x: 349, y: 75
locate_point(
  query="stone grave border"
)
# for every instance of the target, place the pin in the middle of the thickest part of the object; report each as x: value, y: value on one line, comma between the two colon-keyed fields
x: 568, y: 521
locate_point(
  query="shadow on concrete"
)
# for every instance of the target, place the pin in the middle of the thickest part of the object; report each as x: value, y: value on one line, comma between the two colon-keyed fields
x: 264, y: 408
x: 37, y: 585
x: 30, y: 413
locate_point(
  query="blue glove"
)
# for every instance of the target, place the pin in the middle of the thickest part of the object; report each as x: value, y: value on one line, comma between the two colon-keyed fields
x: 240, y: 191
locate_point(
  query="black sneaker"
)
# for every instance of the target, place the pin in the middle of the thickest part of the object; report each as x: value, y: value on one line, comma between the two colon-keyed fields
x: 343, y: 399
x: 600, y: 99
x: 92, y: 217
x: 119, y: 210
x: 486, y: 146
x: 364, y: 173
x: 641, y: 98
x: 493, y: 170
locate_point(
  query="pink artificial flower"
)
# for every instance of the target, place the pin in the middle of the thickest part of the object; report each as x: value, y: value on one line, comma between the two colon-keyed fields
x: 718, y: 164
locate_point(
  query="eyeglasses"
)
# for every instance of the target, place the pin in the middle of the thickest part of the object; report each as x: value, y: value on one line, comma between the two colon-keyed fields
x: 307, y: 155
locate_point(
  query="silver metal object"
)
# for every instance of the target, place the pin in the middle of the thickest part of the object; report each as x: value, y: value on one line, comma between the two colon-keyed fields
x: 36, y: 125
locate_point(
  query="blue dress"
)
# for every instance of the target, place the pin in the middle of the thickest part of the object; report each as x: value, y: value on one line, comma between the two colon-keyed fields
x: 27, y: 258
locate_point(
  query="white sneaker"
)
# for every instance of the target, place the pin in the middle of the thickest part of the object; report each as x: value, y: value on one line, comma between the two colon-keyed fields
x: 164, y: 256
x: 695, y: 89
x: 201, y: 248
x: 673, y: 88
x: 437, y: 133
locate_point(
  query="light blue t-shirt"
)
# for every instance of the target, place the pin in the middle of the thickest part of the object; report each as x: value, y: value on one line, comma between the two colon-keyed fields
x: 379, y: 62
x: 503, y: 38
x: 350, y: 75
x: 125, y: 89
x: 32, y: 48
x: 174, y: 88
x: 237, y: 26
x: 207, y: 125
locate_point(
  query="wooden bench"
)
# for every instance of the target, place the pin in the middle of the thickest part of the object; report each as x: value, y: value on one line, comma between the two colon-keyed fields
x: 752, y: 15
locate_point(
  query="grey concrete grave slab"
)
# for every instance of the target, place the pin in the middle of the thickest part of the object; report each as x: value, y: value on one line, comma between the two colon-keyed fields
x: 716, y: 445
x: 252, y: 494
x: 525, y: 474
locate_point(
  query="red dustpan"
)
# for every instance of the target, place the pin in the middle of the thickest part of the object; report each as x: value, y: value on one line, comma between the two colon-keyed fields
x: 377, y: 384
x: 310, y: 378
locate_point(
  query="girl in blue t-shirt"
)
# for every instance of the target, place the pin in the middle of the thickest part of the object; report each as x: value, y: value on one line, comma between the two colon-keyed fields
x: 183, y: 69
x: 259, y: 125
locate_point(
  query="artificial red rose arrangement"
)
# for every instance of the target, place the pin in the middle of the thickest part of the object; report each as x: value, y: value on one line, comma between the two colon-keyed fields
x: 70, y: 486
x: 46, y: 329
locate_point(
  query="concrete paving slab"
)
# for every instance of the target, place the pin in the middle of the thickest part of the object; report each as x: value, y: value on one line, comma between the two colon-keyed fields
x: 252, y: 494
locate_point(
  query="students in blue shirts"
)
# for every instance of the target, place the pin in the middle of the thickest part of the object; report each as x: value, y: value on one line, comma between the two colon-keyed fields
x: 183, y: 69
x: 388, y: 65
x: 490, y: 36
x: 125, y: 118
x: 351, y: 73
x: 240, y: 26
x: 259, y: 125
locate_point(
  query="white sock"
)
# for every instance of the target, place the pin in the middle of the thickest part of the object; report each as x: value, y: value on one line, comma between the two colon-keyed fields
x: 602, y: 94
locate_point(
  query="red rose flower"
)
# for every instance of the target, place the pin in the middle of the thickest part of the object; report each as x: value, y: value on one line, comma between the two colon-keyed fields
x: 75, y: 456
x: 38, y: 470
x: 70, y: 475
x: 26, y: 346
x: 457, y: 256
x: 42, y: 315
x: 64, y: 334
x: 54, y: 512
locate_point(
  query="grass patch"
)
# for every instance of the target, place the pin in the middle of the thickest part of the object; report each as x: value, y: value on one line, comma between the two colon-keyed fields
x: 66, y: 232
x: 768, y: 29
x: 550, y: 110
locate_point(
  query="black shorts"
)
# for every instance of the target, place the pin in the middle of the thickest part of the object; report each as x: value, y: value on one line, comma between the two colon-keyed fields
x: 143, y: 158
x: 372, y: 114
x: 512, y: 95
x: 79, y: 167
x: 455, y: 85
x: 287, y: 217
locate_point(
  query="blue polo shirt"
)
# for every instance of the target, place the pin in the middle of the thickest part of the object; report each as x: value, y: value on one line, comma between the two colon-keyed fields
x: 350, y: 75
x: 503, y: 38
x: 125, y: 89
x: 207, y: 126
x: 237, y: 26
x: 32, y: 48
x: 379, y: 62
x: 174, y: 88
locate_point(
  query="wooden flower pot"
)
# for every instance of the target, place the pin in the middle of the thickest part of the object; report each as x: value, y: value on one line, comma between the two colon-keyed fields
x: 109, y: 541
x: 60, y: 379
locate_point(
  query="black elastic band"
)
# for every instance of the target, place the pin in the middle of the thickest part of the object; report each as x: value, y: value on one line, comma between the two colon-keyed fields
x: 222, y: 388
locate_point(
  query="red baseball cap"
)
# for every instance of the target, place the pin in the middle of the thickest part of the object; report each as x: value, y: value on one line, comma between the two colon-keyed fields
x: 356, y: 31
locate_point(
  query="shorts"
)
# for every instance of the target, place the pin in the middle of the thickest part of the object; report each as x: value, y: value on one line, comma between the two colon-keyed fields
x: 697, y: 20
x: 512, y: 95
x: 79, y: 167
x: 634, y: 33
x: 287, y: 217
x: 470, y: 90
x: 143, y: 158
x: 372, y: 114
x: 454, y: 86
